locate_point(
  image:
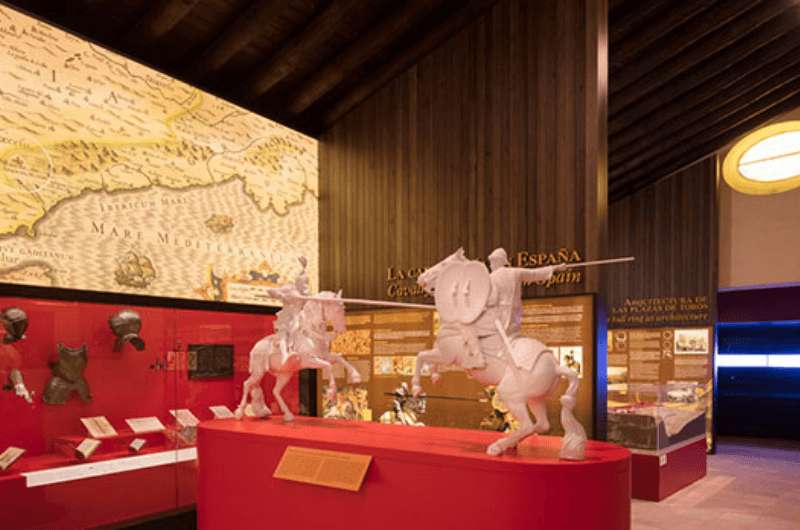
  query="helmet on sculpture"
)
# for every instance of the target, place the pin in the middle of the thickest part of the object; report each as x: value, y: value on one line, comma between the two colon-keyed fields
x: 498, y: 258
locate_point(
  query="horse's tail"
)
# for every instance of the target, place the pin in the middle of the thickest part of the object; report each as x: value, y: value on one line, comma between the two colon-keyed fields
x: 573, y: 445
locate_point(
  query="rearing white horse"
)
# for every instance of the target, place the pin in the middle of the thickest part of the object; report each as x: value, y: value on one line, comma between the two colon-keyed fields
x: 311, y: 349
x: 524, y: 370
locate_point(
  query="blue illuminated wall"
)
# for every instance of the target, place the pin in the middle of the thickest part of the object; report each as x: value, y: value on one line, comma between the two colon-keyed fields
x: 758, y: 363
x: 759, y: 344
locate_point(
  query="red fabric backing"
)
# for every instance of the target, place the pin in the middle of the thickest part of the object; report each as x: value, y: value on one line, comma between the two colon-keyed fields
x: 123, y: 386
x: 122, y: 383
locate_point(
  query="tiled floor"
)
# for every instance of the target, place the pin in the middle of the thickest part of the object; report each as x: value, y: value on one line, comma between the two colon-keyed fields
x: 751, y: 484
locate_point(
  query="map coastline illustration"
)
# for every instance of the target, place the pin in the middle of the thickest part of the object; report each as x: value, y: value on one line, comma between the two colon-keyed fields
x: 102, y: 159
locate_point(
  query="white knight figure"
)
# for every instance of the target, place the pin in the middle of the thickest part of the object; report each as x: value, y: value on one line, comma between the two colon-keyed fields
x: 301, y: 340
x: 480, y: 322
x: 288, y: 323
x: 504, y: 303
x: 506, y: 294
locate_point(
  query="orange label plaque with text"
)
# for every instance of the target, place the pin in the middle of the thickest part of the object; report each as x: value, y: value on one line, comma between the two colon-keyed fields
x: 333, y: 469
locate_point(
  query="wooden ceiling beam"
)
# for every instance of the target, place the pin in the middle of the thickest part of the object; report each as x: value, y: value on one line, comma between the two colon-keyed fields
x: 760, y: 63
x: 759, y: 95
x: 284, y: 61
x: 621, y: 185
x: 624, y: 116
x: 627, y: 18
x: 626, y: 49
x: 770, y: 77
x: 157, y: 21
x: 686, y: 38
x: 391, y: 27
x: 247, y: 25
x: 615, y: 4
x: 74, y: 16
x: 450, y: 26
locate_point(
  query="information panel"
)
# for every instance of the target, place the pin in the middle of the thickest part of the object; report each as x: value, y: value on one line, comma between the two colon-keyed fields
x: 114, y: 177
x: 659, y: 385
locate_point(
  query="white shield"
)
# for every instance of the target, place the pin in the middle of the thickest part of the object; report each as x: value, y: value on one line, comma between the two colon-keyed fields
x: 462, y: 291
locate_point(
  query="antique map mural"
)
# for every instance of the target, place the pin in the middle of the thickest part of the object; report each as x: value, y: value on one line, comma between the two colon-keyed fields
x: 114, y: 177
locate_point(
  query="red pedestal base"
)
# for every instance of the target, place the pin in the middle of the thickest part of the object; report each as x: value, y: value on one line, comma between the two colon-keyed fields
x: 420, y: 478
x: 656, y: 476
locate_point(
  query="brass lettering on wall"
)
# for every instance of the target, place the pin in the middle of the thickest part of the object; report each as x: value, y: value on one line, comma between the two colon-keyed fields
x: 671, y: 309
x: 402, y: 282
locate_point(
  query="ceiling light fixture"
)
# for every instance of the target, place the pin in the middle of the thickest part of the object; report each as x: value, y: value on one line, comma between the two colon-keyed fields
x: 766, y: 161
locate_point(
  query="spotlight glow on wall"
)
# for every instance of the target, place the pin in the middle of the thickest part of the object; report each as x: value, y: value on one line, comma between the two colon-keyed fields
x: 765, y: 161
x: 758, y: 361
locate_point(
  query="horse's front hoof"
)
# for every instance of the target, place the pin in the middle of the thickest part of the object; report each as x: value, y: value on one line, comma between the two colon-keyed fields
x: 259, y: 411
x: 496, y: 449
x: 356, y: 379
x: 288, y: 418
x: 238, y: 413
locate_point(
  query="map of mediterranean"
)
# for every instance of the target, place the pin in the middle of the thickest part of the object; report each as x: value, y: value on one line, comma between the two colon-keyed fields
x: 114, y: 177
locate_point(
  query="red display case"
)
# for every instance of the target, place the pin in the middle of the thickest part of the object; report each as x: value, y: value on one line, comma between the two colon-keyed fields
x: 49, y: 486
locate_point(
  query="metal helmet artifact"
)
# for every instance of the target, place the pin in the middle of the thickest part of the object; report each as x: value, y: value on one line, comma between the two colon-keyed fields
x: 462, y: 291
x: 500, y: 255
x: 126, y: 325
x: 15, y: 321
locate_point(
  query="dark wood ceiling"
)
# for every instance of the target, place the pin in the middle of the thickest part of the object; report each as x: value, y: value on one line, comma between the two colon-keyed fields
x: 686, y: 76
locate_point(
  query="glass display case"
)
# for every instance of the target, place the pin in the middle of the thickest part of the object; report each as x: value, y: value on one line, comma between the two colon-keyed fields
x: 101, y: 402
x: 653, y: 417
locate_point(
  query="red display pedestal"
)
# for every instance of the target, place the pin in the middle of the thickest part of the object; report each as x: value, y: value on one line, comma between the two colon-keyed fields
x: 659, y: 474
x: 420, y: 478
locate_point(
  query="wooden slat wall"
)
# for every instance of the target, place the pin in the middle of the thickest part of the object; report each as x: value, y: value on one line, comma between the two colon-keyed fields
x: 497, y: 138
x: 672, y: 229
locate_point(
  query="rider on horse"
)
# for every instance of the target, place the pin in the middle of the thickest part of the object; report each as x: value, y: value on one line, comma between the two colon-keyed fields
x: 504, y: 303
x: 287, y: 325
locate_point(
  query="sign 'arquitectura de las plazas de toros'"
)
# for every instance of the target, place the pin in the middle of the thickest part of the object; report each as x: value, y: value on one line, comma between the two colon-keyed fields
x: 402, y: 282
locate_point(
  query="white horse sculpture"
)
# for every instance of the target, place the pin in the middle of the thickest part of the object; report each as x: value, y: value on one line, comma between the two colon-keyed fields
x: 524, y: 369
x: 311, y: 349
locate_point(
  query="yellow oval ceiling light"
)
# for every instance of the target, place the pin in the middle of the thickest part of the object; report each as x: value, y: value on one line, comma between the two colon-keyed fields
x: 765, y: 161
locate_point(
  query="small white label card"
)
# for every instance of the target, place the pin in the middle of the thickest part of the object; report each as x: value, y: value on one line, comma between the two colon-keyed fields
x: 98, y: 427
x: 9, y: 456
x: 221, y: 412
x: 185, y: 417
x: 137, y: 444
x: 87, y: 447
x: 147, y: 424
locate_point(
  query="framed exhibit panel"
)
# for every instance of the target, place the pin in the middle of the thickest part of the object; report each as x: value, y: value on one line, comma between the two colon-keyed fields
x: 660, y: 386
x: 383, y: 346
